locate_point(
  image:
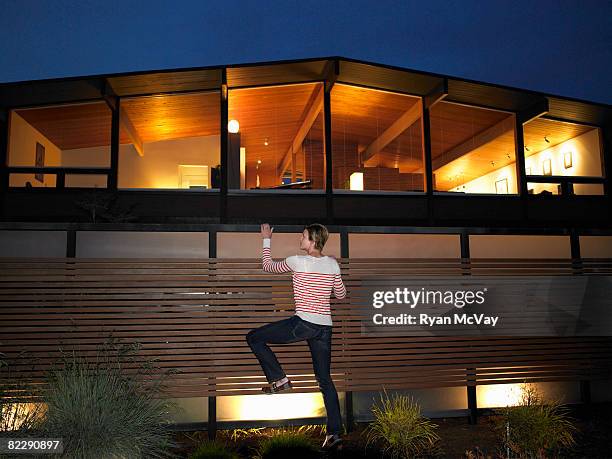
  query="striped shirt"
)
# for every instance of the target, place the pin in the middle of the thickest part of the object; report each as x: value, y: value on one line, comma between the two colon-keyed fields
x: 314, y: 280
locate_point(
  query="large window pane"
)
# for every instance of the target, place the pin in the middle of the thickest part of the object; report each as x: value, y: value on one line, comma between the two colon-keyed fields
x: 170, y: 141
x: 377, y: 140
x: 559, y: 148
x: 76, y: 135
x: 276, y: 137
x: 472, y: 149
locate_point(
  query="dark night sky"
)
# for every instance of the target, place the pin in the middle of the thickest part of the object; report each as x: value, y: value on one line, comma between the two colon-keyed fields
x: 558, y: 47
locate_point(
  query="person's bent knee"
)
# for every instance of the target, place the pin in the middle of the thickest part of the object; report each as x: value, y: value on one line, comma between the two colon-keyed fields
x: 250, y: 336
x: 325, y: 382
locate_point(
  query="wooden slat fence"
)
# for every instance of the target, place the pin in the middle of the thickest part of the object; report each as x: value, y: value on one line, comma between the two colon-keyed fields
x: 193, y: 315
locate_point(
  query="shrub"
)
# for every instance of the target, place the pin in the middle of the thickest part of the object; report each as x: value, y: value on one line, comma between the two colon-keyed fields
x: 401, y: 428
x: 101, y: 411
x: 536, y: 427
x: 212, y: 450
x: 288, y: 444
x: 19, y: 414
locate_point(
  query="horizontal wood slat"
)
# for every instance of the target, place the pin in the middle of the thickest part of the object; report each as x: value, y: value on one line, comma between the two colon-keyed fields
x: 193, y: 315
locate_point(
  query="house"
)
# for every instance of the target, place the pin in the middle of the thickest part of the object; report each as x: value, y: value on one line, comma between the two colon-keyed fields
x: 131, y: 204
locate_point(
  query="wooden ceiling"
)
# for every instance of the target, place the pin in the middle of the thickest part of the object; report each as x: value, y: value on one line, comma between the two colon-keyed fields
x: 173, y: 117
x: 466, y: 140
x: 555, y: 131
x: 72, y: 126
x: 273, y: 114
x: 361, y: 115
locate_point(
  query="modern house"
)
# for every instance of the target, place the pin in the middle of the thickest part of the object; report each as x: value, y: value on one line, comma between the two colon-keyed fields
x: 131, y: 204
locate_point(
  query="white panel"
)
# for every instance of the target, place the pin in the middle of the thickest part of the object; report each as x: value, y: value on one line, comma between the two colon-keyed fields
x: 434, y: 400
x: 137, y: 244
x: 404, y: 245
x: 279, y: 406
x: 501, y: 395
x: 596, y: 246
x: 519, y: 246
x: 249, y: 245
x: 189, y: 409
x: 33, y: 244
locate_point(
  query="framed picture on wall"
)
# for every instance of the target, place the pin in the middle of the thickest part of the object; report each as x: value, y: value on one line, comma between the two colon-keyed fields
x: 40, y: 161
x: 501, y: 186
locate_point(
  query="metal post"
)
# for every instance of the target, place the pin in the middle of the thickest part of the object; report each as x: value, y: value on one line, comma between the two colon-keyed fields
x: 224, y: 147
x: 429, y: 185
x: 212, y: 400
x: 348, y: 396
x: 470, y: 372
x: 113, y: 177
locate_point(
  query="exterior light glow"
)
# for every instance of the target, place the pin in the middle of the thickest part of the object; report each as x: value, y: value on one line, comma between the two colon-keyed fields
x: 233, y: 126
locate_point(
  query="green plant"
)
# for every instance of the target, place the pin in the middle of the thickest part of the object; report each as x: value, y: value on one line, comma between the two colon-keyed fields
x: 266, y: 432
x: 103, y: 411
x: 212, y: 450
x: 401, y: 428
x: 288, y: 443
x: 20, y: 414
x: 536, y: 427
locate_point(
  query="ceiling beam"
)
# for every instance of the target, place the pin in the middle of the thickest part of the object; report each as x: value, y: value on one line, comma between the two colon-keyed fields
x: 480, y: 139
x: 309, y: 116
x: 436, y: 94
x: 131, y: 131
x: 330, y: 73
x: 534, y: 111
x: 393, y: 131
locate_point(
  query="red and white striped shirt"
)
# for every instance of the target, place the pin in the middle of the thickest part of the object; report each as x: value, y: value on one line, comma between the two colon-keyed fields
x: 314, y: 280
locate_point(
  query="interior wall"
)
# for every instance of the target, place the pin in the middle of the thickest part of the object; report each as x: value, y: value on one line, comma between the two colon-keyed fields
x: 86, y: 157
x: 22, y: 152
x: 158, y: 168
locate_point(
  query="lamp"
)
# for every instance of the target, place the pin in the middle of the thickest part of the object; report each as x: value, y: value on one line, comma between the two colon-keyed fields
x: 233, y: 126
x: 356, y: 181
x: 567, y: 159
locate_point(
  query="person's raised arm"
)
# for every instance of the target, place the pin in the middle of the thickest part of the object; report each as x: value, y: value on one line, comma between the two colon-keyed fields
x: 267, y: 263
x: 338, y: 287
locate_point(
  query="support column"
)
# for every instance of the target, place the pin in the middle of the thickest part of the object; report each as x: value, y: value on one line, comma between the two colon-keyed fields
x: 348, y: 395
x: 472, y: 402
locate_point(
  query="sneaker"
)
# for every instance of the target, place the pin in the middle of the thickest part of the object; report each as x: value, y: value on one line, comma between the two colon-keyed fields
x: 332, y: 441
x: 273, y: 388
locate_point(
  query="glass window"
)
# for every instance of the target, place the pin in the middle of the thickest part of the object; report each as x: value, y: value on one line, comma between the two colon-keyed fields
x: 559, y: 148
x: 472, y: 149
x: 376, y: 140
x: 170, y: 141
x: 76, y: 135
x: 276, y: 137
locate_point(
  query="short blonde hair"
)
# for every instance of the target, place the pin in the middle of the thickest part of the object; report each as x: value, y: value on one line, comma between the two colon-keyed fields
x: 319, y: 234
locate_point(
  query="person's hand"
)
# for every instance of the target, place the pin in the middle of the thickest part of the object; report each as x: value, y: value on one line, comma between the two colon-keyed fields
x: 266, y: 231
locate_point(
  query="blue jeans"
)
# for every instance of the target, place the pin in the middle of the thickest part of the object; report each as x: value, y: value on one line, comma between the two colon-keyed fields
x: 319, y: 337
